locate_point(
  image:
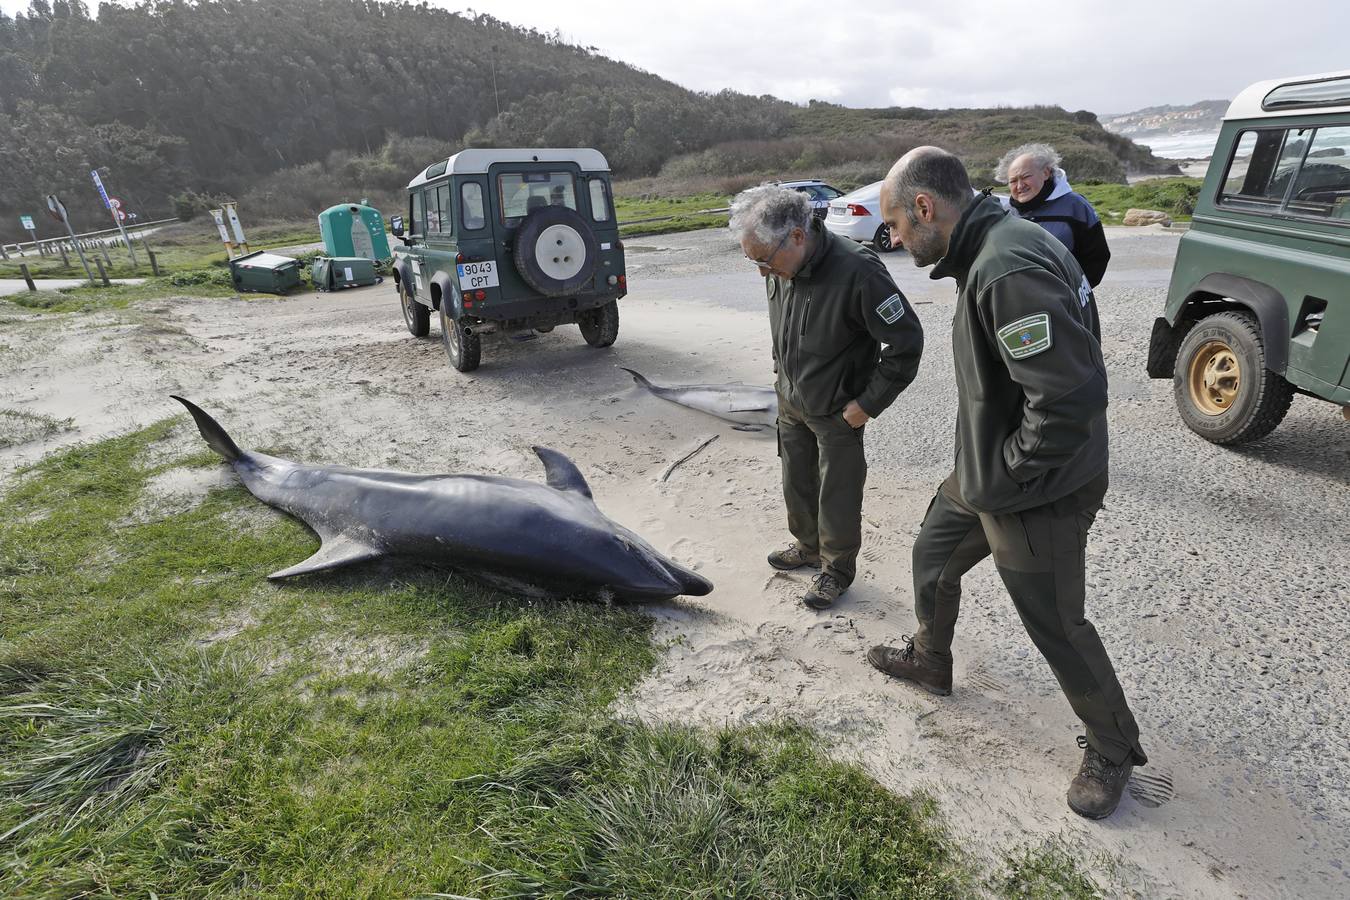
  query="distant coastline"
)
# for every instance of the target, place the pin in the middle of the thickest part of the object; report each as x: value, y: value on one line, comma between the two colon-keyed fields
x: 1185, y: 145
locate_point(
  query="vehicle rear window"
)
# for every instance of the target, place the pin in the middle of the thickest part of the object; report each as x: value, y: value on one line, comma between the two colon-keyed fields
x: 447, y: 224
x: 599, y: 200
x: 523, y: 192
x: 471, y: 197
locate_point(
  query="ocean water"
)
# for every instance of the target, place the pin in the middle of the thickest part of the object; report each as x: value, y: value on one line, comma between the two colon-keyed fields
x: 1185, y: 145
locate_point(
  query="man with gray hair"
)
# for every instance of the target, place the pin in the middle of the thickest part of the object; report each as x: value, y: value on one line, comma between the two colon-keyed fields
x: 845, y: 344
x: 1031, y: 454
x: 1041, y: 193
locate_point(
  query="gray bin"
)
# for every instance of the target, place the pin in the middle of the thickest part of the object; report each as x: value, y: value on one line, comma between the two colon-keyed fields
x: 337, y: 272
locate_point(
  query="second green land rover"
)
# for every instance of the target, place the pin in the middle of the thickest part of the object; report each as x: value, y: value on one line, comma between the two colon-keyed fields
x: 1259, y: 304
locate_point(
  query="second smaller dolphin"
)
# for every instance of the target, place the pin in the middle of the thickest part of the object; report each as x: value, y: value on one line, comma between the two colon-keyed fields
x: 750, y: 406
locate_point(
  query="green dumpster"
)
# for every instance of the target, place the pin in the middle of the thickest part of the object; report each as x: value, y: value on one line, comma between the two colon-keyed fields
x: 353, y: 229
x: 263, y: 272
x: 336, y: 273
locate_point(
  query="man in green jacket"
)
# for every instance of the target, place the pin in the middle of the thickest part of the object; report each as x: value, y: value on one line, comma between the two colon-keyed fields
x: 1031, y: 453
x: 832, y: 307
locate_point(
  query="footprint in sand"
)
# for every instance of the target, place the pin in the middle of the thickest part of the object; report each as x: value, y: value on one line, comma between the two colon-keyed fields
x: 1151, y: 789
x: 982, y: 681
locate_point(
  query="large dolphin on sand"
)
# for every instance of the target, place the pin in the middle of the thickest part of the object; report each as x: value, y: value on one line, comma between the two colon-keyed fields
x: 550, y: 536
x: 748, y: 405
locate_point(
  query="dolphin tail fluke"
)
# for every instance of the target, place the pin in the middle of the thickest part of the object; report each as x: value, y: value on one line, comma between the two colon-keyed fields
x: 334, y: 554
x: 212, y: 433
x: 637, y: 376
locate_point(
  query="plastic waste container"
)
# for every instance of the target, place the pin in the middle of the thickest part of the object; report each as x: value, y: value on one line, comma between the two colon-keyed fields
x: 265, y: 273
x: 353, y: 229
x: 336, y: 273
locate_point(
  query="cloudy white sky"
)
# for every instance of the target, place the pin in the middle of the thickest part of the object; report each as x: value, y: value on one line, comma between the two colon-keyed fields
x: 1083, y: 54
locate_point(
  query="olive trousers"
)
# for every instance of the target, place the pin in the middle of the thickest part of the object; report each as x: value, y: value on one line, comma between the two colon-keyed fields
x: 1039, y: 554
x: 824, y: 471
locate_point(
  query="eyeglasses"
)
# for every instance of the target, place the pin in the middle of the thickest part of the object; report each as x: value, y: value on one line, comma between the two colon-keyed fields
x: 768, y: 263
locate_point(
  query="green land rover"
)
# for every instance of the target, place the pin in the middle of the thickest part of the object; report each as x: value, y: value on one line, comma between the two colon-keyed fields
x: 1259, y: 304
x: 513, y: 241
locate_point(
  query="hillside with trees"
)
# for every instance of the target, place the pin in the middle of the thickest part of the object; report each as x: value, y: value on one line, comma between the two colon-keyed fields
x: 314, y: 101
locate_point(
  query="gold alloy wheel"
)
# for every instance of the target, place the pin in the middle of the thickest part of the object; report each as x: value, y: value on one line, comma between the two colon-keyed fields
x: 1214, y: 378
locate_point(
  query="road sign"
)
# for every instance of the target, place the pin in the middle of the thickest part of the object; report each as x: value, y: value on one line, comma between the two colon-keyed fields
x: 235, y: 224
x: 219, y: 216
x: 27, y: 223
x: 98, y: 183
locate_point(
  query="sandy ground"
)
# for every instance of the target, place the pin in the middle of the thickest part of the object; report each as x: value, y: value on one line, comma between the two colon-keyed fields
x: 1217, y: 577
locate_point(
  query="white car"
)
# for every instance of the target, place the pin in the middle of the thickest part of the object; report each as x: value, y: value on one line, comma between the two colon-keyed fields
x: 857, y: 216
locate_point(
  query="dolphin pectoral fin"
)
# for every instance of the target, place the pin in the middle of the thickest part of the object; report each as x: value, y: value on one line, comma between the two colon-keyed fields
x: 561, y: 473
x: 747, y: 427
x: 334, y: 554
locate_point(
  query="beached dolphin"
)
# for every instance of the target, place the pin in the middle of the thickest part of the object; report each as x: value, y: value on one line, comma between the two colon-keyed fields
x: 750, y: 406
x: 551, y: 536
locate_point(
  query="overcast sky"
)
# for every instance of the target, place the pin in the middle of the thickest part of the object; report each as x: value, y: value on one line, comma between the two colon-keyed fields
x: 1104, y: 56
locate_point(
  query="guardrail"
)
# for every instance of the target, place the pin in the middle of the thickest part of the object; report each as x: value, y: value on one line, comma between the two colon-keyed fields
x: 86, y: 238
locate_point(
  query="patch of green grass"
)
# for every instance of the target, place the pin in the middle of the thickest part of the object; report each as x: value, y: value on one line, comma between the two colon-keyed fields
x: 1047, y: 872
x: 19, y: 427
x: 171, y: 722
x: 1174, y: 196
x: 119, y: 296
x: 686, y: 212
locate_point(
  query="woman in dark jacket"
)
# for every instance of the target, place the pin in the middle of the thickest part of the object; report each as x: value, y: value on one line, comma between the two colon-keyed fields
x: 1041, y: 194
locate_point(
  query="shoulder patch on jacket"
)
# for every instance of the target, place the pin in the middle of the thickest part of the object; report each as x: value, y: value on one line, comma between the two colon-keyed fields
x: 1027, y: 336
x: 891, y: 309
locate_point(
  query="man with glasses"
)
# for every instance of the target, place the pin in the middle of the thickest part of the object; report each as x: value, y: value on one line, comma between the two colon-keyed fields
x: 846, y: 342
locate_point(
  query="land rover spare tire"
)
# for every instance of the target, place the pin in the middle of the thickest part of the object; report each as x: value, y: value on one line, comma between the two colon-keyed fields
x: 555, y: 251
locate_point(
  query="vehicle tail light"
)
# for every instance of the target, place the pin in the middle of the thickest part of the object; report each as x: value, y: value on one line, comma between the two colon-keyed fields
x: 480, y: 295
x: 619, y: 244
x: 857, y: 209
x: 623, y: 279
x: 468, y: 304
x: 459, y: 257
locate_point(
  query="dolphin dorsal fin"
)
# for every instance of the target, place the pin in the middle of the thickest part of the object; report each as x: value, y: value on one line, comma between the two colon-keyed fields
x: 562, y: 474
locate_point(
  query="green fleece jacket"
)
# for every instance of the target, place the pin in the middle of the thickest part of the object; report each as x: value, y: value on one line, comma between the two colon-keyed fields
x: 830, y: 322
x: 1031, y: 381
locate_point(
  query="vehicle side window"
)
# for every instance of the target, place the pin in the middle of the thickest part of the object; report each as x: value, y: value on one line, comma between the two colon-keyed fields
x: 415, y: 218
x: 599, y: 200
x: 1322, y: 188
x: 1261, y: 168
x: 523, y: 193
x: 829, y: 193
x: 433, y: 212
x: 443, y: 202
x: 471, y: 206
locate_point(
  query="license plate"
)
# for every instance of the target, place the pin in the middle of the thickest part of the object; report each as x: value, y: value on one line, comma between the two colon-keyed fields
x: 838, y: 210
x: 473, y: 276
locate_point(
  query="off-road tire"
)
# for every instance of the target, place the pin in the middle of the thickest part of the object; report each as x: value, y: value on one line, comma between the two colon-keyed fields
x: 416, y: 316
x: 465, y: 350
x: 882, y: 241
x: 1221, y: 384
x: 600, y: 326
x: 555, y: 251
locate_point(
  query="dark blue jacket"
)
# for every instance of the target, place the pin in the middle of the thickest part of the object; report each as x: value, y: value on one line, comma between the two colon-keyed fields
x: 1068, y: 216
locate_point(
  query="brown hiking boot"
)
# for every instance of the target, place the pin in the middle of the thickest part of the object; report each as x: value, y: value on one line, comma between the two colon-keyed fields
x: 1096, y: 789
x: 906, y: 664
x: 824, y: 591
x: 793, y: 556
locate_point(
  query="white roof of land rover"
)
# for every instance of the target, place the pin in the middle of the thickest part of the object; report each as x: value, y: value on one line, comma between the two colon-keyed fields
x: 1331, y: 88
x: 476, y: 162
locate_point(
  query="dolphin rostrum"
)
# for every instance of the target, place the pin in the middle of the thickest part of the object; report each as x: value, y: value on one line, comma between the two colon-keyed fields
x: 549, y: 536
x: 750, y: 406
